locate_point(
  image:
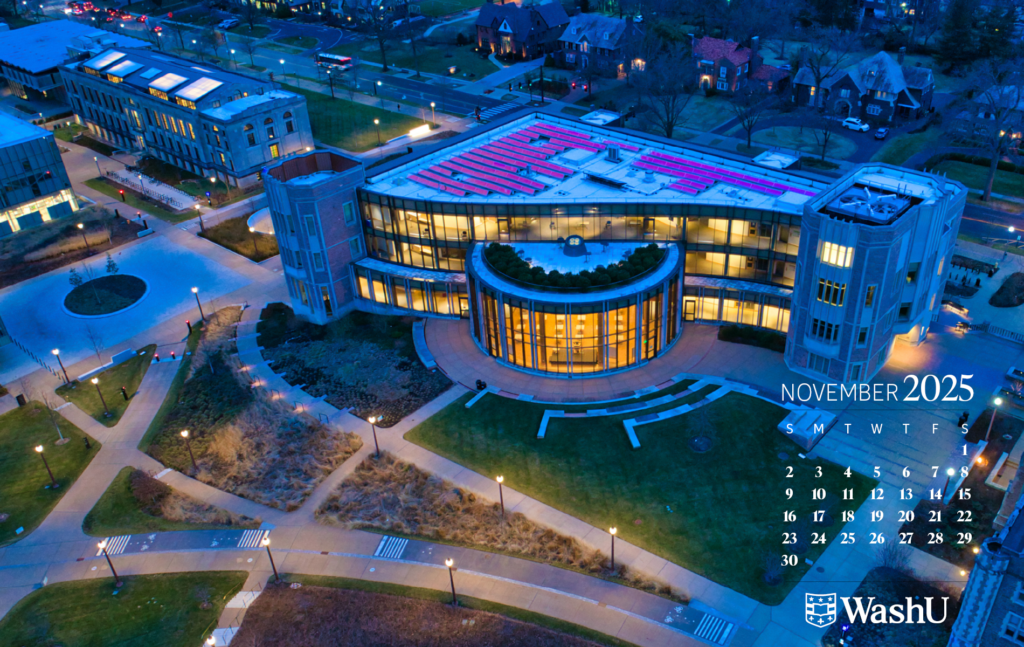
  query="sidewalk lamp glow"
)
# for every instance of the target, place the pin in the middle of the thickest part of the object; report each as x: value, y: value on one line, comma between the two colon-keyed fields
x: 950, y: 473
x: 376, y: 122
x: 373, y: 420
x: 255, y: 246
x: 81, y: 230
x: 188, y: 445
x: 433, y: 119
x: 103, y: 548
x: 106, y: 411
x: 997, y: 402
x: 450, y: 563
x: 612, y: 531
x: 501, y: 495
x: 56, y: 353
x: 195, y: 291
x: 211, y: 641
x: 97, y: 160
x: 266, y: 544
x: 53, y: 481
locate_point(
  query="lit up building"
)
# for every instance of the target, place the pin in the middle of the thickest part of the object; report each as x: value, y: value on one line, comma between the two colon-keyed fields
x: 205, y: 120
x: 36, y: 188
x: 740, y: 243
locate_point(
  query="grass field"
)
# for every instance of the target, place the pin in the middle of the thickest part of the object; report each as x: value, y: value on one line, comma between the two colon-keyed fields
x: 135, y: 203
x: 792, y: 137
x: 234, y: 234
x: 24, y: 483
x: 899, y: 149
x: 258, y: 31
x: 151, y: 610
x: 127, y: 374
x: 432, y: 59
x: 663, y: 497
x: 119, y: 512
x: 976, y: 177
x: 302, y: 42
x: 349, y: 125
x: 437, y: 8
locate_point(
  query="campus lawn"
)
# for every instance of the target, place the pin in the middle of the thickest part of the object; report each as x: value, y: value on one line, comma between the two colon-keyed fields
x: 151, y: 610
x: 975, y: 177
x: 349, y: 125
x: 234, y: 234
x: 302, y: 42
x: 67, y: 133
x: 118, y: 512
x: 899, y: 149
x: 436, y: 8
x: 24, y: 494
x: 429, y: 58
x: 127, y: 374
x: 257, y: 31
x: 792, y: 137
x: 135, y: 203
x: 718, y: 513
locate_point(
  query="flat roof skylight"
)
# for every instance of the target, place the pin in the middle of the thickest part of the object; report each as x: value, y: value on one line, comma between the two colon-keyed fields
x: 150, y: 73
x: 124, y: 68
x: 167, y: 81
x: 198, y: 89
x: 103, y: 60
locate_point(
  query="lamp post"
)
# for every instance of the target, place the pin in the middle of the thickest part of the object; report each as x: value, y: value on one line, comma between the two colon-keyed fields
x: 255, y: 247
x: 283, y: 72
x: 379, y: 85
x: 97, y: 160
x: 450, y: 563
x: 81, y: 230
x: 56, y: 353
x: 433, y: 118
x: 117, y: 579
x: 266, y: 544
x: 330, y: 81
x: 53, y: 481
x: 997, y: 402
x: 501, y: 495
x: 211, y: 641
x: 373, y: 420
x: 612, y: 531
x: 188, y: 445
x: 949, y: 474
x: 202, y: 317
x: 106, y: 411
x: 233, y: 63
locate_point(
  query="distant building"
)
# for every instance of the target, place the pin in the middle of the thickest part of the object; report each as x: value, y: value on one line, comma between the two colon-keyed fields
x: 360, y: 11
x: 727, y: 66
x: 525, y: 31
x: 599, y: 42
x: 205, y: 120
x: 31, y: 57
x: 313, y: 205
x: 879, y: 88
x: 36, y: 185
x: 997, y: 108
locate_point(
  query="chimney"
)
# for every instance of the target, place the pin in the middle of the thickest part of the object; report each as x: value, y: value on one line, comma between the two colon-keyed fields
x: 755, y: 45
x: 902, y: 53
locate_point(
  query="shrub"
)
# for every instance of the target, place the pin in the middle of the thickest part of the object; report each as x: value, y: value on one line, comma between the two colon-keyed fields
x: 753, y: 337
x: 505, y: 260
x: 149, y: 492
x: 1011, y: 293
x: 283, y: 11
x: 549, y: 61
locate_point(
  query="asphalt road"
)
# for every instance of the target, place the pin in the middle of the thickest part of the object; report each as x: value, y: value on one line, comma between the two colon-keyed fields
x: 983, y: 222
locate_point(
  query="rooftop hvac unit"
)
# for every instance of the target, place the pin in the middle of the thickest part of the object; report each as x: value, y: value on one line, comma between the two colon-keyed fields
x: 613, y: 154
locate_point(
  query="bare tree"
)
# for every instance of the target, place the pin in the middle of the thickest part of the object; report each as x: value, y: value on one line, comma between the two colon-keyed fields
x: 250, y: 46
x: 208, y: 42
x: 750, y: 104
x: 353, y: 78
x: 250, y: 15
x: 414, y: 41
x: 822, y: 127
x: 51, y: 412
x: 379, y: 19
x: 827, y: 53
x: 666, y: 89
x: 180, y: 30
x: 996, y: 92
x: 95, y: 340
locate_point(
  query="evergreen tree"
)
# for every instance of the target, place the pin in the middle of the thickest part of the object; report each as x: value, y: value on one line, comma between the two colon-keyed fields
x: 958, y: 44
x: 111, y: 265
x: 995, y: 33
x: 76, y: 278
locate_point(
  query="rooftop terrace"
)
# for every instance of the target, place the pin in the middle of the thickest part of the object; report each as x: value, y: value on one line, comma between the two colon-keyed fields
x: 541, y: 158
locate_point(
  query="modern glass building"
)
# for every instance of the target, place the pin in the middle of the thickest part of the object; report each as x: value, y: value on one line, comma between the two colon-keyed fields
x: 736, y: 237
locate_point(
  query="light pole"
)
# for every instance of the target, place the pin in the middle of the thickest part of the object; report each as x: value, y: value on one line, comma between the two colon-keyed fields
x: 211, y: 641
x: 56, y: 353
x: 330, y: 81
x: 284, y: 73
x: 450, y: 563
x: 188, y: 445
x: 255, y: 247
x: 379, y: 85
x: 949, y: 474
x: 97, y: 160
x: 266, y: 543
x: 81, y: 230
x: 612, y: 531
x: 106, y: 411
x: 53, y: 481
x: 997, y: 402
x: 433, y: 118
x: 501, y: 495
x: 117, y: 579
x: 202, y: 317
x: 373, y: 420
x: 233, y: 63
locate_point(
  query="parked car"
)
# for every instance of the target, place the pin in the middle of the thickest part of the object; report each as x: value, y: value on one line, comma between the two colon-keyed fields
x: 853, y: 123
x: 229, y: 23
x: 881, y: 133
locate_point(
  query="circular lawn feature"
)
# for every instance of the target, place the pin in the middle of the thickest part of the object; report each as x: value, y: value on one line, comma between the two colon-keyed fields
x: 105, y: 295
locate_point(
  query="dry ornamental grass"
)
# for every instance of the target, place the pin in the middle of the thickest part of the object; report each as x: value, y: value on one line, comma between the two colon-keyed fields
x: 392, y: 496
x: 159, y: 500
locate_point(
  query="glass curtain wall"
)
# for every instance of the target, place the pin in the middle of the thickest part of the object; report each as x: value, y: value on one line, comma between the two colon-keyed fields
x: 711, y: 305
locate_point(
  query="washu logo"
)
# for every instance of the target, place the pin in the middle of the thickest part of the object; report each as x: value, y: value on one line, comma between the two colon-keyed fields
x: 820, y: 610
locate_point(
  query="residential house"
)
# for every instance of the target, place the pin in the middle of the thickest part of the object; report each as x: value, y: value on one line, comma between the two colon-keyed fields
x: 599, y: 42
x: 524, y: 31
x: 880, y: 88
x: 999, y: 107
x: 727, y: 66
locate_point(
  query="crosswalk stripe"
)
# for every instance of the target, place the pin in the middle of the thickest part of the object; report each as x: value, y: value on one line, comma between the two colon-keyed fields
x: 115, y: 545
x: 494, y: 111
x: 391, y: 547
x: 253, y: 538
x: 713, y: 629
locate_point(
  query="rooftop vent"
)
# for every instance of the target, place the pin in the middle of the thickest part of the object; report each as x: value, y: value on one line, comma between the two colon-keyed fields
x: 613, y: 153
x: 648, y: 177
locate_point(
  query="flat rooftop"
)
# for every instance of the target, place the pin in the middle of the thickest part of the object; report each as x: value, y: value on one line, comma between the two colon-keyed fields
x: 15, y: 131
x: 44, y: 46
x: 879, y: 195
x: 541, y: 158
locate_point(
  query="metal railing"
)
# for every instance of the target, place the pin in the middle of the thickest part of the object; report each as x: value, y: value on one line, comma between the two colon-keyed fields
x: 141, y: 188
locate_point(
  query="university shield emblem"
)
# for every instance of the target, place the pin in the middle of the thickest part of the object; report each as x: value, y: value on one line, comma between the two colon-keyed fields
x: 820, y: 610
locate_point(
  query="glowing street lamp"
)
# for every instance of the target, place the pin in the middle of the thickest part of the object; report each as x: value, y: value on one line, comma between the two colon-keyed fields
x: 211, y: 641
x: 103, y: 547
x: 195, y: 291
x: 97, y: 160
x: 433, y: 119
x: 997, y: 402
x: 612, y: 531
x: 96, y: 383
x: 501, y: 495
x: 81, y: 230
x: 266, y: 544
x: 53, y: 481
x: 188, y: 444
x: 376, y: 122
x: 255, y: 247
x: 56, y: 353
x: 949, y: 474
x: 373, y: 420
x: 450, y: 563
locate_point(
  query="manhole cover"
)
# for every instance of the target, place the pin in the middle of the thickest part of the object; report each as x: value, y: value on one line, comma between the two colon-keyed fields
x: 783, y: 456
